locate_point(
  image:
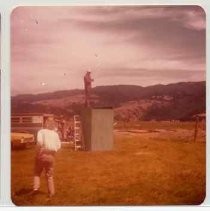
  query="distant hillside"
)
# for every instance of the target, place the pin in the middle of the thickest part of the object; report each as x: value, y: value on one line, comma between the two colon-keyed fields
x: 160, y: 102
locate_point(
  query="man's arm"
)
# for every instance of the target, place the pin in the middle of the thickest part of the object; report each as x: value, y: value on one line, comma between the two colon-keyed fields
x: 88, y: 79
x: 40, y: 138
x: 39, y: 142
x: 58, y: 142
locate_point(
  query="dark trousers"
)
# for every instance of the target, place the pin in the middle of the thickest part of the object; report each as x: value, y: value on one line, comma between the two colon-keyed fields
x: 44, y: 162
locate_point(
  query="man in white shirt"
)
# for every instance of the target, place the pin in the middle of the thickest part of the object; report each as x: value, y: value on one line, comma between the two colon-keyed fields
x: 48, y: 143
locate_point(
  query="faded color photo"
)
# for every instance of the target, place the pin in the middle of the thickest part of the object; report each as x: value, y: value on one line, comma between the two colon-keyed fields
x: 108, y: 105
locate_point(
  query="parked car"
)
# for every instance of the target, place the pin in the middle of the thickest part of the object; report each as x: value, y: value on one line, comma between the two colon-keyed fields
x: 21, y: 139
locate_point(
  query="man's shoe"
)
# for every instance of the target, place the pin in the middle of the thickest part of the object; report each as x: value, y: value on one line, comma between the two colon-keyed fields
x: 49, y: 197
x: 34, y: 192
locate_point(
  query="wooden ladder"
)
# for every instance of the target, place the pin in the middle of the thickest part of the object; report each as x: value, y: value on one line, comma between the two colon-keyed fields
x: 77, y: 133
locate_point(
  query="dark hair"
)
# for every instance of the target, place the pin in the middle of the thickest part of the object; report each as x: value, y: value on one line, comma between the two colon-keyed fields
x: 50, y: 123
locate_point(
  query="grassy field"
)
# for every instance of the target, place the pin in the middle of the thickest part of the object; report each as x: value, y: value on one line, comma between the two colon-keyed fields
x: 151, y: 125
x: 150, y: 168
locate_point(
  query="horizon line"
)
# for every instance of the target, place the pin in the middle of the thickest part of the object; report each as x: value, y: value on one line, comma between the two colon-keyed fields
x: 80, y: 89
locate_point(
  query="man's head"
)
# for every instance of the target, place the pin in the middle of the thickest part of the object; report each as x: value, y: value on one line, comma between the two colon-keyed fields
x: 50, y: 123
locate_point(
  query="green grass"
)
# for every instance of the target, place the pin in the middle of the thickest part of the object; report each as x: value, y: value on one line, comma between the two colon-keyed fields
x: 142, y: 169
x: 151, y: 125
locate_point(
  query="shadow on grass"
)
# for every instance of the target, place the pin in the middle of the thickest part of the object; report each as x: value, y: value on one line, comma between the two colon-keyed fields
x: 22, y: 147
x: 23, y: 191
x: 26, y: 191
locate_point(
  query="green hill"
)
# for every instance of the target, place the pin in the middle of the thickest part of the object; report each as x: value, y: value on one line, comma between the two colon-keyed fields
x: 160, y: 102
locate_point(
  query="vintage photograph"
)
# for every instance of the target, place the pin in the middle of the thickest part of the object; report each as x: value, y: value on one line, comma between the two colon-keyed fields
x: 108, y: 105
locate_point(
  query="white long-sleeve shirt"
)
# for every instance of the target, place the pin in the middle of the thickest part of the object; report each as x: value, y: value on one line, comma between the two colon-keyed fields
x: 48, y: 139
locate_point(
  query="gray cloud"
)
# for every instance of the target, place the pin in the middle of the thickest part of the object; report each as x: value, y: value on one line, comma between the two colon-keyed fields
x: 148, y: 72
x: 168, y: 28
x: 113, y: 16
x: 140, y: 45
x: 146, y: 77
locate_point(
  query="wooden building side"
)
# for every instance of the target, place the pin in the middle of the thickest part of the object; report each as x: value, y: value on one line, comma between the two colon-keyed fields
x: 97, y: 126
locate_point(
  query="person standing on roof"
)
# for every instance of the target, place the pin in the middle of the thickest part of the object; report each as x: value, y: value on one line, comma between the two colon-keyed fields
x: 87, y: 82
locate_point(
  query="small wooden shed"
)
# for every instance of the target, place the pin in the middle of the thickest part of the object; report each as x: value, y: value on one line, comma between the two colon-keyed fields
x: 97, y: 127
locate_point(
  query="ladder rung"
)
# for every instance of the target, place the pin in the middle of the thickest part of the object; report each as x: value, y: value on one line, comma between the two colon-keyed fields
x: 76, y: 119
x: 77, y: 123
x: 77, y: 140
x: 77, y: 132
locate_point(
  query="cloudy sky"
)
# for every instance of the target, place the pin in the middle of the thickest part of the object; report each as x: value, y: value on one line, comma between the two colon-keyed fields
x: 53, y: 47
